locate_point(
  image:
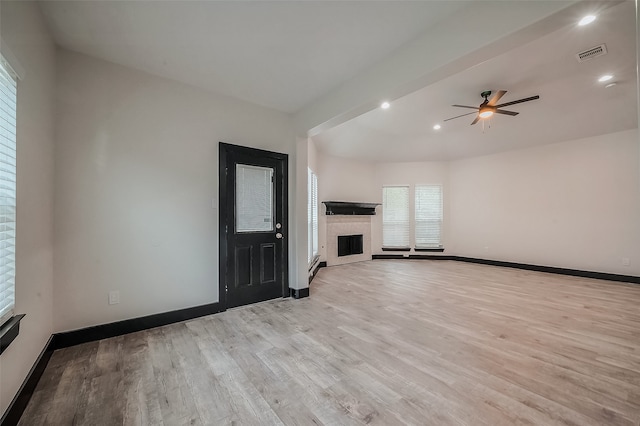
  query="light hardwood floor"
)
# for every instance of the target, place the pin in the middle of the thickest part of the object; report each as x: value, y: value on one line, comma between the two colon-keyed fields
x: 382, y: 342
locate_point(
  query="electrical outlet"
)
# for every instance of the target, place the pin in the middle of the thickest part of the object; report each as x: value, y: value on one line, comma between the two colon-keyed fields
x: 114, y: 297
x: 625, y: 261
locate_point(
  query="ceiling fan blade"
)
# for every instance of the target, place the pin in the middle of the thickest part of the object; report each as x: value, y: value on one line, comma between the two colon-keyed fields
x: 501, y: 111
x: 496, y: 97
x: 458, y: 116
x: 519, y: 101
x: 465, y: 106
x: 475, y: 121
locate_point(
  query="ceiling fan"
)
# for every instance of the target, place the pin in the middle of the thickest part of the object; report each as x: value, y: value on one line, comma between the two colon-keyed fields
x: 489, y: 107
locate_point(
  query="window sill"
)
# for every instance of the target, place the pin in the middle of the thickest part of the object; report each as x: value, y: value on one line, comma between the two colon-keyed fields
x: 431, y: 249
x: 9, y: 331
x: 396, y: 248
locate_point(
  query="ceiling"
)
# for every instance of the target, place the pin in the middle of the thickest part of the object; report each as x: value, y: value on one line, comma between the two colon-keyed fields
x: 572, y: 104
x: 287, y: 55
x: 279, y: 54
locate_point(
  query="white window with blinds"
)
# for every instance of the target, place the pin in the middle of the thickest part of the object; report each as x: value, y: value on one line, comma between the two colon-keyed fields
x: 8, y: 101
x: 395, y: 217
x: 428, y: 216
x: 254, y: 198
x: 312, y: 214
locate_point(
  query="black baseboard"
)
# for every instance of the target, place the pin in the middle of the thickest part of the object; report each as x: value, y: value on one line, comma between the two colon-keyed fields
x: 317, y: 268
x: 104, y: 331
x: 554, y: 270
x: 433, y: 256
x: 538, y: 268
x: 299, y: 293
x: 388, y: 256
x: 12, y: 416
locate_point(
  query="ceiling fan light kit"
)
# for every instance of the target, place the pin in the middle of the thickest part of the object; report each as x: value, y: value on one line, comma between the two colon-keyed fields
x: 488, y: 107
x: 486, y: 112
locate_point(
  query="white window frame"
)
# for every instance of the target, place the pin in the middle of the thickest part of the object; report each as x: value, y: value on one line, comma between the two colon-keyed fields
x: 428, y: 216
x: 312, y: 216
x: 396, y: 220
x: 8, y: 148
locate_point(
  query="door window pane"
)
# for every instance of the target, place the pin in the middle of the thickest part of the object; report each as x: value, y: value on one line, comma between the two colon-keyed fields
x: 254, y: 198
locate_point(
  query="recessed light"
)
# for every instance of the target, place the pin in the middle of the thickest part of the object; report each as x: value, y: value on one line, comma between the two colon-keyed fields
x: 610, y: 85
x: 385, y: 105
x: 605, y: 77
x: 437, y: 127
x: 587, y: 20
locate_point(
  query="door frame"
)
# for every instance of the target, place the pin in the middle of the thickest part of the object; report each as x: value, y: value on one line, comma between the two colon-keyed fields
x: 228, y: 223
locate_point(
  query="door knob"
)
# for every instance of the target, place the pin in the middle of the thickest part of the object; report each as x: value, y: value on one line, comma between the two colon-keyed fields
x: 279, y: 236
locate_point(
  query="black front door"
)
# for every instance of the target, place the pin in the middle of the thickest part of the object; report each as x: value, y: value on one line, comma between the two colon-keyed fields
x: 253, y: 225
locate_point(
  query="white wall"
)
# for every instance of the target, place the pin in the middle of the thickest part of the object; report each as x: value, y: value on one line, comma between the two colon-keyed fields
x: 312, y: 155
x: 574, y: 204
x: 24, y: 33
x: 136, y: 176
x: 341, y: 179
x: 299, y: 232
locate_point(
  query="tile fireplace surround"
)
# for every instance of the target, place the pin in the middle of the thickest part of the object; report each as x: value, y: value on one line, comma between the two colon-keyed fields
x: 347, y: 225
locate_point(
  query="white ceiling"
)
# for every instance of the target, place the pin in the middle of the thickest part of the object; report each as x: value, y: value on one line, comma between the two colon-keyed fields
x: 572, y: 103
x: 280, y: 54
x: 288, y: 54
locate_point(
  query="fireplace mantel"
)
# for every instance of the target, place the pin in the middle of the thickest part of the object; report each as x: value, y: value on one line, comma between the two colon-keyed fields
x: 350, y: 208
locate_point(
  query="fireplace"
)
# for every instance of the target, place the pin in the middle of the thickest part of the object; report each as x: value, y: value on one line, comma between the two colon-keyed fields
x: 349, y: 245
x: 348, y: 239
x: 348, y: 231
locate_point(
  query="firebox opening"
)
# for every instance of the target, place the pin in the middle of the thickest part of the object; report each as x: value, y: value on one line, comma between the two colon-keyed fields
x: 349, y: 244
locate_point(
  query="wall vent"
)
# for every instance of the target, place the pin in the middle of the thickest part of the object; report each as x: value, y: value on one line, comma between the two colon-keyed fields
x: 594, y: 52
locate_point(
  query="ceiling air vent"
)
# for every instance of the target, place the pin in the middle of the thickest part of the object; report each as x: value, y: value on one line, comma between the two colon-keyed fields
x: 594, y: 52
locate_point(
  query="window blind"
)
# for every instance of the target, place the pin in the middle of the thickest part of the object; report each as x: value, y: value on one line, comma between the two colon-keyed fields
x: 395, y: 216
x: 428, y: 216
x: 8, y: 100
x: 254, y: 198
x: 312, y: 214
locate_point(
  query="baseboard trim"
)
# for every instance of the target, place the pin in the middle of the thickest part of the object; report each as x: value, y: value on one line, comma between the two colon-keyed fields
x: 538, y: 268
x: 432, y: 256
x: 11, y: 417
x: 119, y: 328
x: 299, y: 293
x: 554, y: 270
x: 316, y: 269
x: 388, y: 256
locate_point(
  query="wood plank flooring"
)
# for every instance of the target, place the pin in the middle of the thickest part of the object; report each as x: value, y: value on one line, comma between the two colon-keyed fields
x: 385, y: 342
